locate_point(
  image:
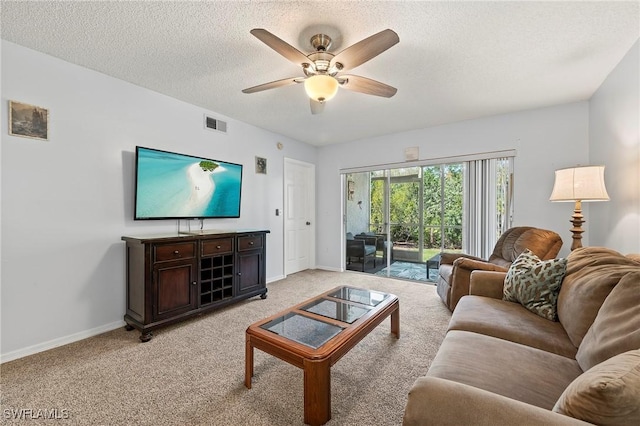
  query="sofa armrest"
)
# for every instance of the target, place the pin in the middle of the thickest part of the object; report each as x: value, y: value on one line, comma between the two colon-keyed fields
x: 449, y: 258
x: 487, y: 283
x: 461, y: 275
x: 473, y: 265
x: 435, y: 401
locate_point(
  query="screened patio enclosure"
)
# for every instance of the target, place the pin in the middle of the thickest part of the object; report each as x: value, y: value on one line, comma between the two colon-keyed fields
x: 411, y: 214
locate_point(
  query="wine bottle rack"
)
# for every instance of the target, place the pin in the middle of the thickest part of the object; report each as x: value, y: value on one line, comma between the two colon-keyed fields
x: 216, y: 278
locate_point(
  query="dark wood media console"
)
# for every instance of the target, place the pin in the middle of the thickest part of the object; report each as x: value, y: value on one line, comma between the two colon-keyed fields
x: 172, y: 277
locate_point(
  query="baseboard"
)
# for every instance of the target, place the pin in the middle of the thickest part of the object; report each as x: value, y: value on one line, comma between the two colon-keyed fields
x: 323, y: 268
x: 330, y: 268
x: 276, y: 278
x: 41, y: 347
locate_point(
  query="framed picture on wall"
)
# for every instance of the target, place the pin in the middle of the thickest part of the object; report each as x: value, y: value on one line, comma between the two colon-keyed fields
x: 28, y: 121
x: 261, y: 165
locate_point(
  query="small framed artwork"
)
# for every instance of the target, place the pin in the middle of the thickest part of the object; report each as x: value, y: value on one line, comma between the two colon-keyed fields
x: 261, y: 165
x: 28, y: 121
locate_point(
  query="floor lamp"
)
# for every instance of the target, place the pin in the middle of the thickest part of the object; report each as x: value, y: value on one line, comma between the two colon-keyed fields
x: 582, y: 183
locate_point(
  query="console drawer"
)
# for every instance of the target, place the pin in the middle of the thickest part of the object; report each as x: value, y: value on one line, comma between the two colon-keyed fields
x: 211, y: 247
x: 174, y: 251
x: 250, y: 242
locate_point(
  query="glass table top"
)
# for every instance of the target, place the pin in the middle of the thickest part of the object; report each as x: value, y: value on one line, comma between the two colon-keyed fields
x: 337, y: 310
x: 367, y: 297
x: 353, y: 303
x: 302, y: 329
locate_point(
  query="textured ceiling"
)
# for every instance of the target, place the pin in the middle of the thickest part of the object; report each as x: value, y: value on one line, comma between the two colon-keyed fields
x: 455, y: 60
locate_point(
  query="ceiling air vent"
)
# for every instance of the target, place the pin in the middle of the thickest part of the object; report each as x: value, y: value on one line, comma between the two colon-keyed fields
x: 215, y: 124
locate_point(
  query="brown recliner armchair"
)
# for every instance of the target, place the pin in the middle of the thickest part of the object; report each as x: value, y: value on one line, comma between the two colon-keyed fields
x: 455, y: 268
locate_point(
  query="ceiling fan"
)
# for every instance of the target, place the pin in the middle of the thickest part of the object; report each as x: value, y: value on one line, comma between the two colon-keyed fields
x: 322, y: 68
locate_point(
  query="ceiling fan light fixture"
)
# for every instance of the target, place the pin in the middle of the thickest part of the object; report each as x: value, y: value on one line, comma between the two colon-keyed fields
x: 321, y: 88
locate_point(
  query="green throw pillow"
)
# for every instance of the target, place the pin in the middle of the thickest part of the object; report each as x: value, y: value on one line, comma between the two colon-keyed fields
x: 535, y: 283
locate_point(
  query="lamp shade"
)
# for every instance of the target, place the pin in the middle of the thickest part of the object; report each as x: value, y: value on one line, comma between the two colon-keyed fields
x: 580, y: 184
x: 321, y: 88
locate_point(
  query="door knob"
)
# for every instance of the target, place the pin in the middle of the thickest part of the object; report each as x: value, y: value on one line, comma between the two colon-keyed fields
x: 308, y: 223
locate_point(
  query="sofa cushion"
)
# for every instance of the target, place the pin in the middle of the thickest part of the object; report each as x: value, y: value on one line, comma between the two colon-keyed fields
x: 535, y: 283
x: 516, y: 371
x: 607, y: 394
x: 592, y: 272
x: 434, y: 401
x: 616, y: 328
x: 511, y: 321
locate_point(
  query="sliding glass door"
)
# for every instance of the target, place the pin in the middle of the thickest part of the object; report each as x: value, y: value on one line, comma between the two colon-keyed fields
x: 411, y: 214
x: 405, y: 213
x: 443, y: 208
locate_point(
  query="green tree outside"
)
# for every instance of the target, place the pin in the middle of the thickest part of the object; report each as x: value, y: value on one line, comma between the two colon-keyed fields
x: 404, y: 205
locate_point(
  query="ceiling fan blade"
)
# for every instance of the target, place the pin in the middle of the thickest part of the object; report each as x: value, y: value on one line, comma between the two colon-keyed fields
x: 316, y: 107
x: 364, y: 50
x: 360, y: 84
x: 274, y: 84
x: 280, y: 46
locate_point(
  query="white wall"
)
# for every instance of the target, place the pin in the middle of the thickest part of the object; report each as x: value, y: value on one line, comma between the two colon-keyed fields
x: 66, y: 202
x: 358, y: 214
x: 614, y: 141
x: 545, y: 139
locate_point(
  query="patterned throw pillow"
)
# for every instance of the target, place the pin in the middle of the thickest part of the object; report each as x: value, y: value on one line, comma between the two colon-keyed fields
x: 535, y: 283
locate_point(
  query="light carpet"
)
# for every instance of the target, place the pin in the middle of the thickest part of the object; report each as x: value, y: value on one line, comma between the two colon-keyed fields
x: 192, y: 373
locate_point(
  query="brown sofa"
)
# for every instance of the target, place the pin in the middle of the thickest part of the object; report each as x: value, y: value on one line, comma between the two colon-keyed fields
x: 502, y: 364
x: 455, y: 268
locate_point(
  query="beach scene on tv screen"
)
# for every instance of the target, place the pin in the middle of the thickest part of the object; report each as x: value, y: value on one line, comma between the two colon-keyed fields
x: 174, y: 185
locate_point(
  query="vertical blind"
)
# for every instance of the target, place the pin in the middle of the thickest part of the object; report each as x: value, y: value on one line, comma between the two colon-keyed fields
x: 488, y: 203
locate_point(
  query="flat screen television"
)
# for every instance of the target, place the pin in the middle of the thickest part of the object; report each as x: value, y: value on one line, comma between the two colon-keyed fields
x: 178, y: 186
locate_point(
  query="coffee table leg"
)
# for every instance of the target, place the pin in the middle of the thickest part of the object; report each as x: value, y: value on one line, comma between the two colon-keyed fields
x: 248, y: 363
x: 395, y: 322
x: 317, y: 392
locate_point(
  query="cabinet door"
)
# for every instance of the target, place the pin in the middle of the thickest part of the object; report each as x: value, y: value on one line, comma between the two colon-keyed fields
x: 175, y: 289
x: 250, y: 271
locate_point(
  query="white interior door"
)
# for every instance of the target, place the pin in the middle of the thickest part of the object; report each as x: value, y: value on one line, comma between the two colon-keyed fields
x: 299, y: 215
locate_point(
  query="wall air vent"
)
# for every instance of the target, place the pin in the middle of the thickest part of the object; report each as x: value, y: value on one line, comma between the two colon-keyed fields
x: 211, y: 123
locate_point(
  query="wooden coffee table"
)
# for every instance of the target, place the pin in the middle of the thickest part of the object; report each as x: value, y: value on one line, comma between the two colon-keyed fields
x: 315, y: 334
